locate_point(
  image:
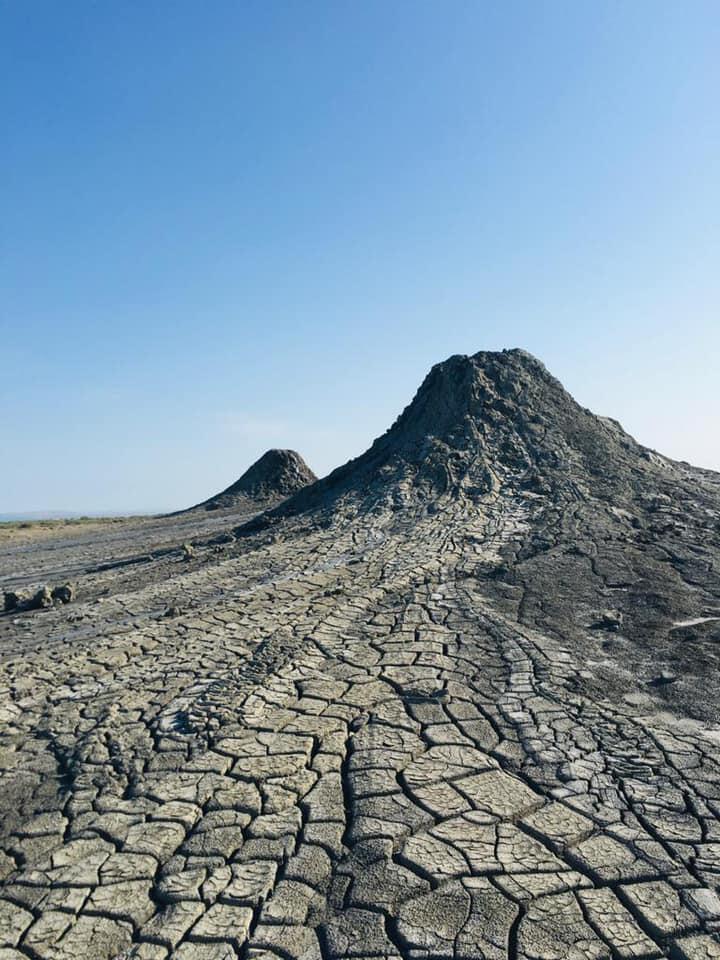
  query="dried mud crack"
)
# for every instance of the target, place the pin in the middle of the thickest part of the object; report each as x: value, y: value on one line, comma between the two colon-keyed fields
x: 457, y: 700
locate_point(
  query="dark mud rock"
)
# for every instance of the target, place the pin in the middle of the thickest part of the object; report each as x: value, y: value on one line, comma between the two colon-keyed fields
x: 40, y: 600
x: 64, y: 593
x: 14, y: 600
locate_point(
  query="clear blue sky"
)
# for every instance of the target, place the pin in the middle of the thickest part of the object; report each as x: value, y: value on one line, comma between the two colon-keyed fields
x: 233, y: 225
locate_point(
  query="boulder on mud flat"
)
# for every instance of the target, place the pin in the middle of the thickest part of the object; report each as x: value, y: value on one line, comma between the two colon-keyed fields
x: 40, y: 600
x: 14, y: 600
x: 64, y: 593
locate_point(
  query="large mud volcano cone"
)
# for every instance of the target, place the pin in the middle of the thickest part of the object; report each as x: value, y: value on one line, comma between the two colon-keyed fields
x: 485, y: 424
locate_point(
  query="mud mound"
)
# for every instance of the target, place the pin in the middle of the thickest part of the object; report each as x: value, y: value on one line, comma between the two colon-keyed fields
x: 490, y: 423
x: 275, y: 476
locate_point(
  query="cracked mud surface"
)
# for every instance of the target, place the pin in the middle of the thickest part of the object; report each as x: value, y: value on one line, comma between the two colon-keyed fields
x: 464, y: 706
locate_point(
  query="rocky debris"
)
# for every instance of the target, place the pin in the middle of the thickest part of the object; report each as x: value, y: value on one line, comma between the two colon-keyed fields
x: 15, y: 600
x: 380, y: 726
x: 275, y: 476
x: 64, y: 593
x: 41, y: 599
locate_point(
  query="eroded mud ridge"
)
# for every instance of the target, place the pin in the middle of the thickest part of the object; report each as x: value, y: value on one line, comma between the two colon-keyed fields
x: 457, y: 700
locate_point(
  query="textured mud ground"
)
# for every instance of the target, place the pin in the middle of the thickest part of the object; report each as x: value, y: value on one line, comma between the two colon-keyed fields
x: 458, y: 700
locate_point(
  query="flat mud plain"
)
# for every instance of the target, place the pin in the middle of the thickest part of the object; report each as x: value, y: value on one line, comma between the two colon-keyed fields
x: 457, y: 700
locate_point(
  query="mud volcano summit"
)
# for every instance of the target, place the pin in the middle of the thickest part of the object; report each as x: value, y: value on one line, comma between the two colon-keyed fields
x: 458, y: 699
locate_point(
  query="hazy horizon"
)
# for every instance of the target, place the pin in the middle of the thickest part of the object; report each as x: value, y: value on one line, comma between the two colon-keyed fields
x: 260, y: 225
